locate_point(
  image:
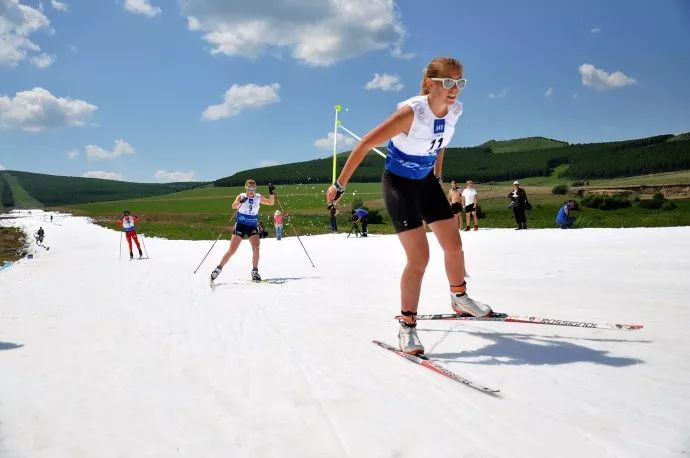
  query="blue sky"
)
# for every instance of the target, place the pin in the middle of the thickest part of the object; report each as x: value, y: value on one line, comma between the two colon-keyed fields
x: 168, y: 90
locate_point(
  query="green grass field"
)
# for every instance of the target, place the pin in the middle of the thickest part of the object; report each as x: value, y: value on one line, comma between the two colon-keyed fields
x: 203, y: 213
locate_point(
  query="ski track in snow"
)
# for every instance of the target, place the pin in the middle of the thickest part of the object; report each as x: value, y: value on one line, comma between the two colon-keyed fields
x: 101, y: 357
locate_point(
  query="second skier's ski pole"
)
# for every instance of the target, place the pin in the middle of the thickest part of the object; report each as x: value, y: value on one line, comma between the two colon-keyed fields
x: 209, y: 252
x: 144, y: 245
x: 295, y: 230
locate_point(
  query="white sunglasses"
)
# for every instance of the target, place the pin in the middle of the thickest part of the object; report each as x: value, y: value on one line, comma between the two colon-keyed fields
x: 448, y: 83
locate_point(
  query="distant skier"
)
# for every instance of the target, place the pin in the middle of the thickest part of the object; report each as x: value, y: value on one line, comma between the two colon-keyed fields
x: 247, y: 205
x: 563, y: 218
x: 128, y: 223
x: 51, y: 218
x: 39, y: 235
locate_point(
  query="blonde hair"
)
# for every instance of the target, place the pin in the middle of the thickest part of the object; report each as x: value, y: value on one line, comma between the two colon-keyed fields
x: 277, y: 212
x: 250, y: 183
x: 438, y: 68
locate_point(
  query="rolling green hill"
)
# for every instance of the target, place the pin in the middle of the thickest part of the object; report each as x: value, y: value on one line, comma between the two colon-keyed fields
x: 35, y: 190
x: 522, y: 144
x: 661, y: 153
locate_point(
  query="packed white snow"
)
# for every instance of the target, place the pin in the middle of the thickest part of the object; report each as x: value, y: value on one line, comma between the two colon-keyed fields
x: 106, y: 357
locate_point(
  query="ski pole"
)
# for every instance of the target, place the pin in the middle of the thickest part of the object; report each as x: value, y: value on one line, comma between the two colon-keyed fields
x: 294, y: 230
x: 144, y: 245
x: 120, y: 258
x: 209, y: 252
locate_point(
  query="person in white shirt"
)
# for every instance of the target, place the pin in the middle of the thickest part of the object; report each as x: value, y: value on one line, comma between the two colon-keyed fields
x: 469, y: 203
x: 418, y: 132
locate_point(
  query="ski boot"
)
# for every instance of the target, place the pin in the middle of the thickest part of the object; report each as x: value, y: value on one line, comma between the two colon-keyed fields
x: 463, y: 305
x: 255, y: 274
x: 407, y: 335
x: 216, y: 272
x: 141, y: 255
x: 476, y: 228
x: 131, y: 255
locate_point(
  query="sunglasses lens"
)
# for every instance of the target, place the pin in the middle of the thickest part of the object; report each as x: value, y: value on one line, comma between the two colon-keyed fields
x: 448, y: 83
x: 251, y: 189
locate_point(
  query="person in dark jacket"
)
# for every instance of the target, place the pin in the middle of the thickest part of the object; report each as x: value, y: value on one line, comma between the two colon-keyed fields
x: 519, y: 203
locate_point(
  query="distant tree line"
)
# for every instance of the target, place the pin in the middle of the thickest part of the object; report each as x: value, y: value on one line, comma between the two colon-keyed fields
x: 54, y: 190
x: 591, y: 160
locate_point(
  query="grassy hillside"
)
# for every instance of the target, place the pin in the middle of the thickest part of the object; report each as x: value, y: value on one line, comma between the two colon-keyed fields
x: 51, y: 190
x: 679, y: 137
x: 578, y: 161
x: 203, y: 213
x: 522, y: 144
x: 22, y: 199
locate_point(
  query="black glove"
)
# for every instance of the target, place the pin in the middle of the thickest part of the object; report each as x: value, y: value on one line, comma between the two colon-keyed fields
x: 271, y: 188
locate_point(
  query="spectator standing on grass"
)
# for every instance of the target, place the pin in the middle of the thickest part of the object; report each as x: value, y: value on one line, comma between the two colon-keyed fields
x: 278, y: 224
x: 455, y: 199
x: 469, y: 203
x: 519, y: 204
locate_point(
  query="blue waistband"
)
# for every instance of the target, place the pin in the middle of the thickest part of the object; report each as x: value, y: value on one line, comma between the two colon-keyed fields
x: 409, y: 166
x: 247, y: 220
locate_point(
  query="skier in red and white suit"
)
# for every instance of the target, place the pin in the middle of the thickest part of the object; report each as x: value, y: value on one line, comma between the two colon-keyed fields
x: 128, y: 222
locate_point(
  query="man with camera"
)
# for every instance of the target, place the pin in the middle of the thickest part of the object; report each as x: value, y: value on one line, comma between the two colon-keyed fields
x: 361, y: 216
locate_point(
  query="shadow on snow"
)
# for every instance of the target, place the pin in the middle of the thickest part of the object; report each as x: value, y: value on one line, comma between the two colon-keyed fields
x: 519, y: 349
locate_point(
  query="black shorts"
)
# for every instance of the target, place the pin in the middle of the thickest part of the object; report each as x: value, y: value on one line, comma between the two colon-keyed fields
x: 456, y: 207
x: 409, y: 202
x: 245, y: 231
x: 470, y: 208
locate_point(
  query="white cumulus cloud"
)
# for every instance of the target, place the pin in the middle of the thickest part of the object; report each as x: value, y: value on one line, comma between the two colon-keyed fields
x: 237, y: 98
x: 38, y: 109
x: 60, y: 6
x: 2, y: 167
x: 316, y: 32
x: 103, y: 175
x: 500, y: 95
x: 268, y: 163
x: 595, y: 30
x: 384, y: 82
x: 142, y: 7
x: 344, y: 142
x: 169, y: 177
x: 73, y: 153
x: 601, y: 80
x: 43, y: 60
x: 97, y: 153
x: 17, y: 23
x: 549, y: 92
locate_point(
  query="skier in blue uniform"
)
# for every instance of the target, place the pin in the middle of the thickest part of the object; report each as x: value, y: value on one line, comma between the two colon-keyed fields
x: 247, y: 205
x: 418, y: 133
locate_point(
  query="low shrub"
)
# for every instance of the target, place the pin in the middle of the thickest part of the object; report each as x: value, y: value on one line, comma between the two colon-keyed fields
x: 560, y: 189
